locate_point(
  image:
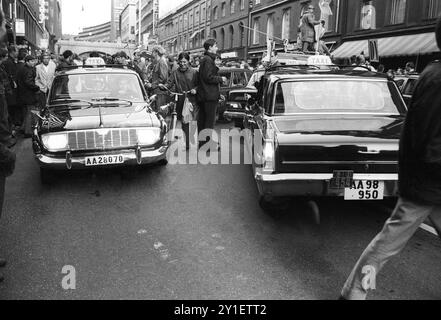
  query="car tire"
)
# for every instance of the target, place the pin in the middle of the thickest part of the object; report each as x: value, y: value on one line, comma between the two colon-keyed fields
x: 163, y: 163
x: 46, y: 176
x: 266, y: 204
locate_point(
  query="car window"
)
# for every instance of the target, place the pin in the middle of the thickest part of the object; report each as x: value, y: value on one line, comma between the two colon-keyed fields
x: 330, y: 96
x: 410, y: 87
x: 226, y: 74
x: 97, y: 85
x: 239, y: 79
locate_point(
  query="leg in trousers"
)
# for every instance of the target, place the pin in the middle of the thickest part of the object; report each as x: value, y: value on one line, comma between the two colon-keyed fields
x: 401, y: 226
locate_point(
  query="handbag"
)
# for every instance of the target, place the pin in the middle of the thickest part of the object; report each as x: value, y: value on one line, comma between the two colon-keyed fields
x: 187, y: 111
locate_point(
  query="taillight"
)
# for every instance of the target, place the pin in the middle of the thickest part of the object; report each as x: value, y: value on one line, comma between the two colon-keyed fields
x: 269, y: 151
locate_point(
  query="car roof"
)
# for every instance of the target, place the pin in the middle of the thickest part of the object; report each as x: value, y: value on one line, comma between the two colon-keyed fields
x: 293, y: 73
x: 86, y: 70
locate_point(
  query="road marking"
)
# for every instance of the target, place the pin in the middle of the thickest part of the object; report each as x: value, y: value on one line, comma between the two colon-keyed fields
x: 429, y: 229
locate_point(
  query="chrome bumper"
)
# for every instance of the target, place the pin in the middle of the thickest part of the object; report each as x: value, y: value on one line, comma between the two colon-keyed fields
x: 315, y: 184
x: 79, y: 162
x: 233, y: 114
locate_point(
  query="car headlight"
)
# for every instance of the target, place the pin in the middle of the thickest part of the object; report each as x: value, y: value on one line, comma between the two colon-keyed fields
x: 148, y: 137
x: 235, y: 105
x: 55, y: 142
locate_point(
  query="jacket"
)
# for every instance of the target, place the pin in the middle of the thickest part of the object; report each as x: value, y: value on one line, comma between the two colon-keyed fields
x: 420, y: 144
x: 27, y: 89
x: 307, y: 28
x: 209, y: 79
x: 159, y: 76
x: 183, y: 81
x: 45, y: 78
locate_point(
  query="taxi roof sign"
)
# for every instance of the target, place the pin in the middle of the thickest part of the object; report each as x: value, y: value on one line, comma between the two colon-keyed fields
x: 96, y: 62
x: 303, y: 59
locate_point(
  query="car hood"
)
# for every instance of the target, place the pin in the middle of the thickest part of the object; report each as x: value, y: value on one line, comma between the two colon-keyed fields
x: 111, y: 116
x: 338, y: 129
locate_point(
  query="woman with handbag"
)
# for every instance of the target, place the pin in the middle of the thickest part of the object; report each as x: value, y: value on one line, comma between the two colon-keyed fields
x: 185, y: 80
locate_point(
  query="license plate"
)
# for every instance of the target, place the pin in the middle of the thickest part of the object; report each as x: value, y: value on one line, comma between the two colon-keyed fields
x: 365, y: 190
x: 104, y: 160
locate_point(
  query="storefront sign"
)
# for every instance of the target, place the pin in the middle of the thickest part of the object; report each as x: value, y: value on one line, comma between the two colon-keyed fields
x: 20, y: 28
x: 229, y: 55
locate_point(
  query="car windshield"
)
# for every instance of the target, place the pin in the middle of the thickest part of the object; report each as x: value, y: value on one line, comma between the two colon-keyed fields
x: 96, y: 85
x: 330, y: 96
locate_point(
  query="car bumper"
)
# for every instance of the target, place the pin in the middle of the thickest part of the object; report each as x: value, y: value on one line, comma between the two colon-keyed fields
x: 315, y: 185
x: 75, y: 162
x: 234, y: 114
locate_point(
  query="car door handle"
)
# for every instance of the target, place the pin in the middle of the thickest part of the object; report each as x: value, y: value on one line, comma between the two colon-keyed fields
x: 369, y: 152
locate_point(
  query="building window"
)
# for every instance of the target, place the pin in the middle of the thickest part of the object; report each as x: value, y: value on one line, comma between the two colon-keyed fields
x: 215, y: 35
x: 257, y: 1
x: 398, y: 11
x: 433, y: 9
x: 242, y: 33
x: 242, y: 5
x: 231, y: 37
x: 224, y: 9
x: 368, y: 16
x: 286, y: 21
x: 222, y: 39
x: 215, y: 13
x: 329, y: 13
x: 270, y: 27
x: 232, y: 6
x: 203, y: 14
x: 256, y: 29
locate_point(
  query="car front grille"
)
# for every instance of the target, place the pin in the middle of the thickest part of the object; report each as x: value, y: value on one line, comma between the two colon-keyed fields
x: 102, y: 139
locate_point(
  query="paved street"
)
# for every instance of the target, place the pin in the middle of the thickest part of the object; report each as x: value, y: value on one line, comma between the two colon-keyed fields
x: 190, y: 232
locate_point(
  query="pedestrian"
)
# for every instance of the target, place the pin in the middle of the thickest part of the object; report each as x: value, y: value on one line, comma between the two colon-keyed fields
x: 121, y: 58
x: 27, y: 92
x: 10, y: 66
x: 410, y: 68
x: 67, y: 60
x: 419, y: 182
x: 159, y: 76
x: 307, y: 29
x: 7, y: 157
x: 5, y: 88
x: 209, y: 87
x: 185, y: 79
x: 45, y: 76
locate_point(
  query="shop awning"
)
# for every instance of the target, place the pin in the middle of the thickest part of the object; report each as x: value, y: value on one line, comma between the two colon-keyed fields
x: 409, y: 45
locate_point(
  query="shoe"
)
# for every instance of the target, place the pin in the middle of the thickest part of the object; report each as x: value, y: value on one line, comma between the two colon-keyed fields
x: 3, y: 263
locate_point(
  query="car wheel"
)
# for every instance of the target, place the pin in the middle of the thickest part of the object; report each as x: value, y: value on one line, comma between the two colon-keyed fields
x: 46, y: 176
x: 163, y: 162
x: 266, y: 204
x: 239, y: 124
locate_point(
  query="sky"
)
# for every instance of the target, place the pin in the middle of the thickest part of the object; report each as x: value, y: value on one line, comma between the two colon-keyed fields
x: 97, y: 12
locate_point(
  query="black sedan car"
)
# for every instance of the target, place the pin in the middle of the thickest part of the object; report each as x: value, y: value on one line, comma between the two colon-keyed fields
x: 316, y: 133
x: 98, y: 116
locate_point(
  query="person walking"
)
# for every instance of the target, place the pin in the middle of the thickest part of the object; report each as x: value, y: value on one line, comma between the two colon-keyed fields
x: 10, y: 66
x: 184, y: 79
x: 419, y: 183
x: 209, y: 86
x: 45, y: 76
x: 67, y: 60
x: 27, y: 92
x: 307, y: 30
x: 159, y: 76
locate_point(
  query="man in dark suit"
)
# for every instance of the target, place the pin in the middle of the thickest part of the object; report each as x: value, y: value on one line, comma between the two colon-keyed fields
x: 209, y: 86
x: 27, y: 92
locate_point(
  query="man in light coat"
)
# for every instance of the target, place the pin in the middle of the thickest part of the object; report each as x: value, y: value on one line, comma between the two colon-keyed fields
x: 45, y: 77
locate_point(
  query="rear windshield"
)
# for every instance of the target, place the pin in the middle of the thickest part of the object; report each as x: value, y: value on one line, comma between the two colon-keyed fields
x: 331, y: 96
x: 97, y: 85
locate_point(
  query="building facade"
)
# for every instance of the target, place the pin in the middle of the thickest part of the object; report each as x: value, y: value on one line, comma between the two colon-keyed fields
x: 24, y: 27
x: 403, y: 30
x: 128, y: 23
x: 117, y: 7
x: 186, y: 28
x: 101, y: 32
x: 230, y: 27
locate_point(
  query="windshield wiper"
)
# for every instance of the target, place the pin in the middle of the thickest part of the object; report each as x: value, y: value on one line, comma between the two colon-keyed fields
x: 70, y: 104
x: 109, y: 99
